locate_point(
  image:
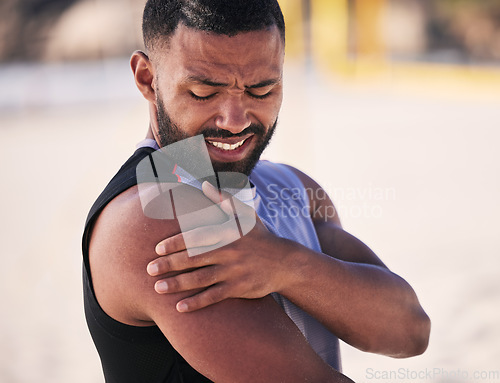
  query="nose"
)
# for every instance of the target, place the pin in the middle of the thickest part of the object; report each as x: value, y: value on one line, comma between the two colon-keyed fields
x: 233, y: 115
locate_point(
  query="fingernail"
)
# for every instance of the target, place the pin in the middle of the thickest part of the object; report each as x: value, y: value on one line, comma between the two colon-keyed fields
x: 206, y: 183
x: 182, y: 307
x: 153, y: 269
x: 160, y: 249
x: 161, y: 287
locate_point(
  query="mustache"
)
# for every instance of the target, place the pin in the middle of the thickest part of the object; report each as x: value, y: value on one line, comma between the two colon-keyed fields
x: 221, y: 133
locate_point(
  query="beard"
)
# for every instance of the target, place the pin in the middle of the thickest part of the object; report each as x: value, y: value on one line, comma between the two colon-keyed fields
x: 169, y: 132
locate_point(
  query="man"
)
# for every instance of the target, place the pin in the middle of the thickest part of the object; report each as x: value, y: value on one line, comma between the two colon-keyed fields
x: 158, y: 314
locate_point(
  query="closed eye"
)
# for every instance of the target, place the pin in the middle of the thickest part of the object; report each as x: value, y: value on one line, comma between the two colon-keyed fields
x: 201, y: 98
x: 259, y: 96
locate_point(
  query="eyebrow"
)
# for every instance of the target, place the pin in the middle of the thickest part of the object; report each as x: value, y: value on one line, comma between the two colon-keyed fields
x: 208, y: 82
x: 204, y: 81
x: 263, y: 84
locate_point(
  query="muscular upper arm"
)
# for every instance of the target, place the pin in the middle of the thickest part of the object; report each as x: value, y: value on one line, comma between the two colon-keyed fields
x: 234, y: 340
x: 333, y: 239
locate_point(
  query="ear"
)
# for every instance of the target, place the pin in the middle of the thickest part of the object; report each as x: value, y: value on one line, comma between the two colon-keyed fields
x: 143, y: 75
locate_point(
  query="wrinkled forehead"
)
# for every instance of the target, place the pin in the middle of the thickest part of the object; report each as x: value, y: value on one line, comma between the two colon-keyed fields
x: 245, y: 54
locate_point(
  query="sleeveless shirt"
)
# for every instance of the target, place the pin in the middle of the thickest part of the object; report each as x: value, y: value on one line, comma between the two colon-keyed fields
x: 143, y: 354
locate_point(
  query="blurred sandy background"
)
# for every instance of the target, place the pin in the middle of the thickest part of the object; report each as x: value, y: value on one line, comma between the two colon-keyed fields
x: 408, y: 150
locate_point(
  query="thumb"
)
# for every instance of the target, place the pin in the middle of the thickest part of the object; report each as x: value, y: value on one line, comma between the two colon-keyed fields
x: 218, y: 197
x: 246, y: 216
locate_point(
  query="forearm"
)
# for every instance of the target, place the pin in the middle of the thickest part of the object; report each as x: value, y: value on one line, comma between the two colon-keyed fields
x: 365, y: 305
x: 346, y: 287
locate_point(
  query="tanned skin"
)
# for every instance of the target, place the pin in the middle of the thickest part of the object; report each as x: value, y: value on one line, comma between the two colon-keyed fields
x: 215, y: 308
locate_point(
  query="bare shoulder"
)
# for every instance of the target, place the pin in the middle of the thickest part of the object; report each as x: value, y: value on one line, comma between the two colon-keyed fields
x: 123, y: 242
x: 255, y: 335
x: 121, y: 246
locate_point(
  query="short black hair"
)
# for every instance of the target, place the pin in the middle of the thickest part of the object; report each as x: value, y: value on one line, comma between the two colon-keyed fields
x: 224, y: 17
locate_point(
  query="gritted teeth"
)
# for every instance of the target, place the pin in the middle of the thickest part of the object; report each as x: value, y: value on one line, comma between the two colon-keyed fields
x: 225, y: 146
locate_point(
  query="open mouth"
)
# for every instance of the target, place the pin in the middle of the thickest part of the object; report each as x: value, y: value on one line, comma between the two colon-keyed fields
x: 227, y: 147
x: 229, y: 150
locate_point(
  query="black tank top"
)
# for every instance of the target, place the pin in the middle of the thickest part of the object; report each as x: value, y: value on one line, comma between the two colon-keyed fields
x: 129, y: 354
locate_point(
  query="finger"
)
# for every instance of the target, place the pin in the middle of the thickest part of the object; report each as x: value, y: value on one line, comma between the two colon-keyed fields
x: 197, y: 241
x: 174, y: 262
x: 244, y: 214
x: 218, y: 197
x: 232, y: 206
x: 203, y: 236
x: 211, y: 192
x: 181, y: 261
x: 171, y: 245
x: 198, y: 237
x: 210, y: 296
x: 196, y: 279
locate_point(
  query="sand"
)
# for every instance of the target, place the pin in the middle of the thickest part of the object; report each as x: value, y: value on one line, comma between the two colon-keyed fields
x: 415, y: 175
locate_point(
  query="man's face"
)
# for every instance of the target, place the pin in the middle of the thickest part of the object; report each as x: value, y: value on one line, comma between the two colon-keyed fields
x: 227, y: 88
